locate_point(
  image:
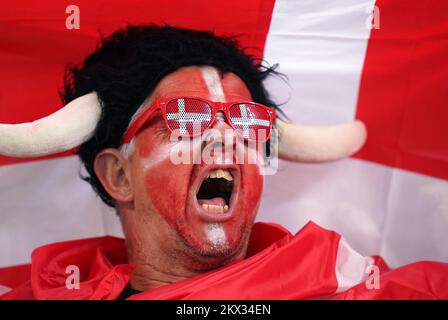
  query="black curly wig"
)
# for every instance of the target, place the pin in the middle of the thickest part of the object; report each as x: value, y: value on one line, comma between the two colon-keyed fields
x: 127, y: 66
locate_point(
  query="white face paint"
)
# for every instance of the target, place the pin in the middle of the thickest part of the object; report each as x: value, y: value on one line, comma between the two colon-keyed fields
x: 128, y: 149
x: 164, y: 152
x: 213, y: 82
x: 215, y: 234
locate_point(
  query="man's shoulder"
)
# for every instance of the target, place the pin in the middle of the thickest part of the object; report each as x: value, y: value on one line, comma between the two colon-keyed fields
x: 92, y: 257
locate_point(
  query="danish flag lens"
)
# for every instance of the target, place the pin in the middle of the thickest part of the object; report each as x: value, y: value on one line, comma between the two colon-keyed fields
x: 184, y: 115
x: 250, y: 121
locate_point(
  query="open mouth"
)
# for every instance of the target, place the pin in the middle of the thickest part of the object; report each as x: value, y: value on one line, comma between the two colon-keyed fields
x: 215, y: 192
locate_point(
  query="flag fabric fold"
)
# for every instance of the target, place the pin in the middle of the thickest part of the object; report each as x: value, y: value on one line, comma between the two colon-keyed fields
x: 278, y: 266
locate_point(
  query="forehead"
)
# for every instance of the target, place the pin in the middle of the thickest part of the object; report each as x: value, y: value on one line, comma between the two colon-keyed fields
x: 204, y: 82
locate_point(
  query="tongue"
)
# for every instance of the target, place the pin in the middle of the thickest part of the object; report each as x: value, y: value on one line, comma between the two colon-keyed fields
x: 215, y: 201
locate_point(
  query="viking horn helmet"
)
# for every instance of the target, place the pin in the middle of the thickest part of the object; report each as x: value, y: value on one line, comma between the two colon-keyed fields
x: 76, y: 122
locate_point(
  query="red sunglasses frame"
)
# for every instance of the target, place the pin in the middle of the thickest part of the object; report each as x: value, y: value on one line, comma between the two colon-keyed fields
x: 216, y: 107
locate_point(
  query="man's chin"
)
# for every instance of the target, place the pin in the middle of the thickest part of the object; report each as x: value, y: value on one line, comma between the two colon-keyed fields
x: 216, y: 251
x: 208, y: 258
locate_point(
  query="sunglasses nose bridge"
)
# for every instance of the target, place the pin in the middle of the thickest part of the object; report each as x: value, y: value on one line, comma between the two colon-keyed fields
x: 219, y: 110
x: 219, y: 106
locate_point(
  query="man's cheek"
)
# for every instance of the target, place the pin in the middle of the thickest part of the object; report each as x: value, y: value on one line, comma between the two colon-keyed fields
x: 167, y: 187
x: 250, y: 199
x: 253, y: 188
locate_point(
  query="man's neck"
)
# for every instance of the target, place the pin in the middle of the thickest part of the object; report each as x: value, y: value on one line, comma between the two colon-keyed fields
x: 146, y: 277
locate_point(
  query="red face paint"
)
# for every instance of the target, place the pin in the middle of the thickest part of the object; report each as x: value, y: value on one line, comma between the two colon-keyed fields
x: 171, y: 189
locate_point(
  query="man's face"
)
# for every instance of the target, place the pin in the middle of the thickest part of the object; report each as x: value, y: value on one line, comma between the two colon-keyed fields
x: 197, y: 210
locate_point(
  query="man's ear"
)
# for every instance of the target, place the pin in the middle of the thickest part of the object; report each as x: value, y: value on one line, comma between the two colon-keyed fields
x: 112, y: 169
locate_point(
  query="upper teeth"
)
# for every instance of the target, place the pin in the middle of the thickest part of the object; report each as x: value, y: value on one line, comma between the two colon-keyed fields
x: 220, y: 174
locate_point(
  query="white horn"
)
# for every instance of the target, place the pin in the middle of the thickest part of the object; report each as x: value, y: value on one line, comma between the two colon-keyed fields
x: 63, y: 130
x: 319, y: 144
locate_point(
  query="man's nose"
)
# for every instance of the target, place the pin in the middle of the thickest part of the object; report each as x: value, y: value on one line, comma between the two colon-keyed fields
x: 220, y: 133
x: 220, y: 122
x: 223, y: 128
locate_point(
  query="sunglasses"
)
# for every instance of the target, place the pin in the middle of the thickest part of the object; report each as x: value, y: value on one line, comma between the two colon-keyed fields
x: 190, y: 116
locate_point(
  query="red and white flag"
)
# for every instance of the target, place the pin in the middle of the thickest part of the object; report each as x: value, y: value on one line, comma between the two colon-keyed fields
x: 384, y: 62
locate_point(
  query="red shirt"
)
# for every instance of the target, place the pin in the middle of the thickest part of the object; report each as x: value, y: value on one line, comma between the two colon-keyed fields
x: 315, y: 263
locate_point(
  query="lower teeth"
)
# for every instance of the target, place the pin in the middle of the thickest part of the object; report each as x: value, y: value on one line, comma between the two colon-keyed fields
x: 215, y: 208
